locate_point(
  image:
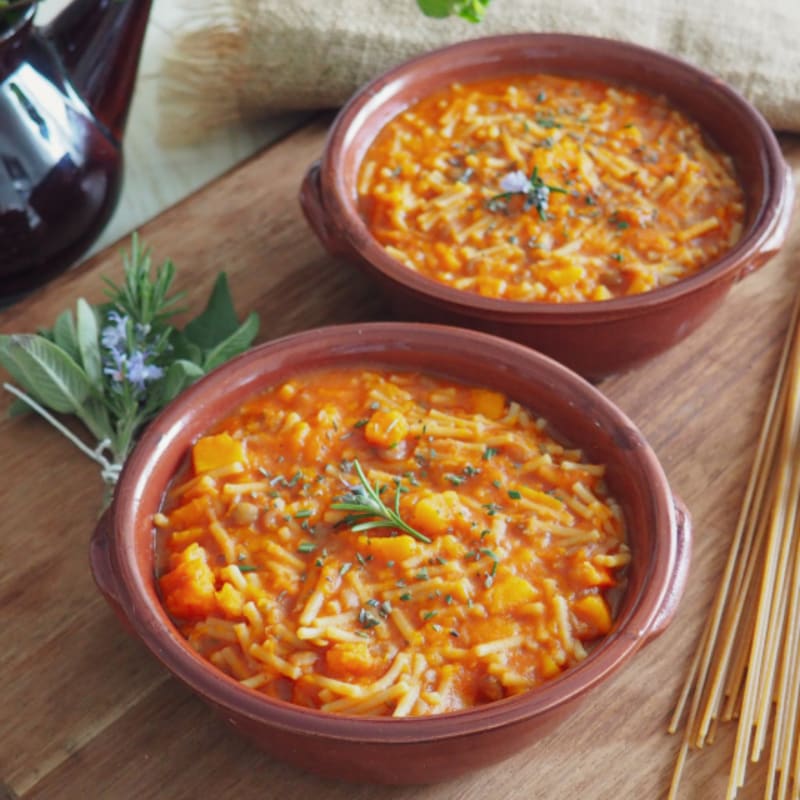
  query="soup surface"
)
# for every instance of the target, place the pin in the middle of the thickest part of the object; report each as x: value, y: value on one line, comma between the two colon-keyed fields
x: 544, y: 188
x: 368, y: 542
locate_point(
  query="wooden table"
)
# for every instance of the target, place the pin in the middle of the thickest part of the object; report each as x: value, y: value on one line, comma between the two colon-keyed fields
x: 87, y: 713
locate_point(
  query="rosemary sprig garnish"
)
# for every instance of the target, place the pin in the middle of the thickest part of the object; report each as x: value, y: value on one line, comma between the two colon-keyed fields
x: 368, y: 511
x: 533, y: 188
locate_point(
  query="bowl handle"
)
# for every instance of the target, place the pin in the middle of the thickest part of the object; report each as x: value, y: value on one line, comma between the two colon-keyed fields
x: 680, y: 571
x: 100, y: 562
x: 777, y: 233
x: 314, y: 209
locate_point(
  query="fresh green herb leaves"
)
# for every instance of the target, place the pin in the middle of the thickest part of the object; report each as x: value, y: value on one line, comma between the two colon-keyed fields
x: 470, y: 10
x: 368, y: 511
x: 115, y: 365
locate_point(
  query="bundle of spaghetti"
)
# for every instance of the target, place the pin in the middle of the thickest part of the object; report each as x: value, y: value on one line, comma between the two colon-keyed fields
x: 747, y: 666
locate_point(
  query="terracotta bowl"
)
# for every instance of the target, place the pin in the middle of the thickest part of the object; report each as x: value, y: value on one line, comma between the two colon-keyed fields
x: 596, y: 338
x: 418, y: 749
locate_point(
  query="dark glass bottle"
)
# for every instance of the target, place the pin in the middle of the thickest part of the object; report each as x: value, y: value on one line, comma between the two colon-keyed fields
x: 65, y: 90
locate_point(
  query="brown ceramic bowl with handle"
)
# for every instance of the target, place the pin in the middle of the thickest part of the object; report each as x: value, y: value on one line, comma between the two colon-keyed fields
x: 416, y: 749
x: 594, y: 338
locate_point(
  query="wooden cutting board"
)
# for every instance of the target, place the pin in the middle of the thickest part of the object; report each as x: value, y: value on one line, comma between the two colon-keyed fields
x: 87, y: 713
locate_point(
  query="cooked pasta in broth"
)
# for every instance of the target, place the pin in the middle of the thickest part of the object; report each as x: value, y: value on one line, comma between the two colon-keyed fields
x: 551, y: 189
x: 364, y: 541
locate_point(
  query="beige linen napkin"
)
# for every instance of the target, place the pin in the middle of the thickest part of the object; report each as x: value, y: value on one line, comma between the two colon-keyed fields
x: 243, y: 59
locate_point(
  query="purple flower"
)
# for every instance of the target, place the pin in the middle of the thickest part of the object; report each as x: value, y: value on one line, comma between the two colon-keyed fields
x: 115, y: 333
x: 125, y: 360
x: 516, y: 182
x: 114, y: 365
x: 139, y: 373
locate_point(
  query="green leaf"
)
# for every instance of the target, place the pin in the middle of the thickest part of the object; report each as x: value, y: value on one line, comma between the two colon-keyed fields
x: 65, y: 335
x: 182, y: 348
x: 236, y: 343
x: 19, y: 408
x: 89, y: 342
x: 96, y: 417
x: 218, y: 320
x: 179, y: 376
x: 470, y: 10
x: 10, y: 364
x: 438, y: 9
x: 46, y: 372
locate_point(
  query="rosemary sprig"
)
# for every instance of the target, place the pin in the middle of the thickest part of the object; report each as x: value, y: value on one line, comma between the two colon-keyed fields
x: 533, y: 188
x: 365, y: 505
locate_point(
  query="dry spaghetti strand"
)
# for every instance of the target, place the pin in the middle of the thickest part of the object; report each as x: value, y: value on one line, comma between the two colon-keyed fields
x: 747, y: 663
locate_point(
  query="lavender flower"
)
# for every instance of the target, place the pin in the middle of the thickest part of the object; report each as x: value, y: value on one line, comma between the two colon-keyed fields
x: 516, y: 182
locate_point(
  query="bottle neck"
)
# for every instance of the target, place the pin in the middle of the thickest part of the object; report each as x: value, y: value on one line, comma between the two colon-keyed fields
x: 99, y: 43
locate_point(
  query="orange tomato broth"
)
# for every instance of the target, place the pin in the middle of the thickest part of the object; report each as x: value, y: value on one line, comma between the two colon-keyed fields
x: 646, y: 199
x: 265, y: 578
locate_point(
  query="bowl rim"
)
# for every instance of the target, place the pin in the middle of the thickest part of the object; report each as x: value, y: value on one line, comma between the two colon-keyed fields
x: 253, y: 371
x: 343, y: 217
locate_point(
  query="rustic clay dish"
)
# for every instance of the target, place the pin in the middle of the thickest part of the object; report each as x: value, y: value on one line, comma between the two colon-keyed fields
x: 595, y: 338
x: 417, y: 749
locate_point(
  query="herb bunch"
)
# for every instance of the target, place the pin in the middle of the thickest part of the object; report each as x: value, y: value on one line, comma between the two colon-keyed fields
x: 115, y: 365
x: 470, y: 10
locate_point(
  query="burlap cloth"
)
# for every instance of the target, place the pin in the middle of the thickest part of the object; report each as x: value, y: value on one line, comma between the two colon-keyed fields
x: 243, y: 59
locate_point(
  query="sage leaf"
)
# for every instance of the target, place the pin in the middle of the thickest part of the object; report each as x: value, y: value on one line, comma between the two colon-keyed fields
x: 218, y: 321
x: 65, y: 335
x: 88, y: 342
x: 236, y: 343
x: 95, y: 417
x: 182, y: 348
x: 10, y: 363
x: 179, y: 376
x: 46, y: 371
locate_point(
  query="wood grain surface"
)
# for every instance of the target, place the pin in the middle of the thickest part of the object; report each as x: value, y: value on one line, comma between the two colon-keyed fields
x: 85, y: 712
